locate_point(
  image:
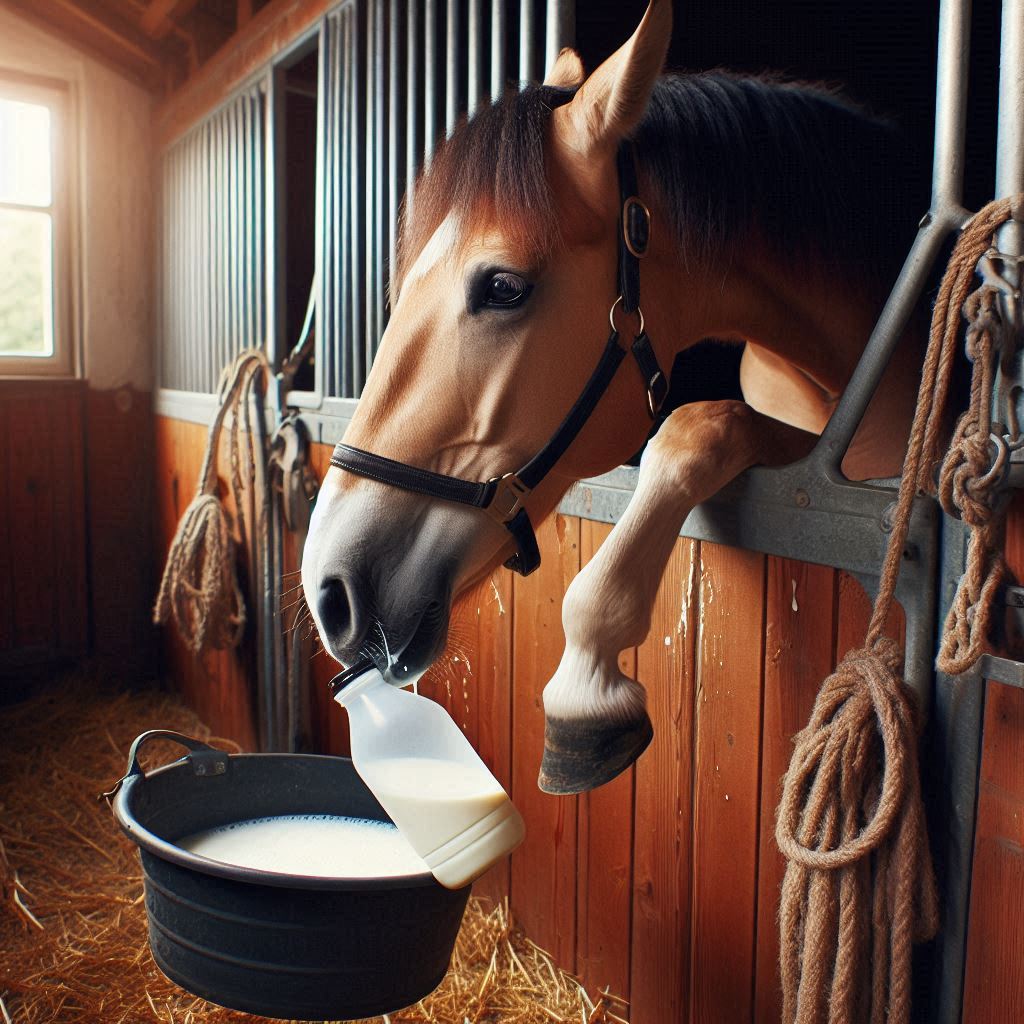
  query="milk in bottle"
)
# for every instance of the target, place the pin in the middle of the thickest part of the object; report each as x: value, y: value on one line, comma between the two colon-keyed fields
x: 432, y: 783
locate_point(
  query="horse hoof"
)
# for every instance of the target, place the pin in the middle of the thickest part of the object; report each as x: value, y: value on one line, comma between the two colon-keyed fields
x: 580, y: 755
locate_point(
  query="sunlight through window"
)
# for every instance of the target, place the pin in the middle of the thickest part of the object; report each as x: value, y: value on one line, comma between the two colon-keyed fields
x: 26, y: 230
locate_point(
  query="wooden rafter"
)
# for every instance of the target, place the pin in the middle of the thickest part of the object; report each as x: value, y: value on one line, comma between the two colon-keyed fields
x: 106, y: 35
x: 159, y: 16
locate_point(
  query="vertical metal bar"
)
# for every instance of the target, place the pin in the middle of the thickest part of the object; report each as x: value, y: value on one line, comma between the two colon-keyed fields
x: 395, y: 166
x: 264, y: 171
x: 527, y: 32
x: 357, y: 200
x: 273, y: 188
x: 211, y: 248
x: 226, y: 244
x: 195, y: 241
x: 954, y: 48
x: 1010, y: 145
x: 560, y: 30
x: 945, y: 215
x: 214, y: 249
x: 342, y: 143
x: 176, y: 339
x: 347, y: 265
x: 498, y: 43
x: 429, y: 79
x: 370, y: 158
x: 474, y: 53
x: 326, y: 127
x: 334, y: 126
x: 381, y: 155
x: 951, y: 794
x: 412, y: 74
x: 451, y: 86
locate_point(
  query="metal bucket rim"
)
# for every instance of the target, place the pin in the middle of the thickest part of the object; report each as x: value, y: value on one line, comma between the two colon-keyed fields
x: 168, y: 851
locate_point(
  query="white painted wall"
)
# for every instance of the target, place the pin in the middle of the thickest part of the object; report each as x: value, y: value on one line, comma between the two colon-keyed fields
x: 116, y: 203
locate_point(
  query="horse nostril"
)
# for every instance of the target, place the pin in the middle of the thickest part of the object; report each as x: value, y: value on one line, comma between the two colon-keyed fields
x: 334, y: 607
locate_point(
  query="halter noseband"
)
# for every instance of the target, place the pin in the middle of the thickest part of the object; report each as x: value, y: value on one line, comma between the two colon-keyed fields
x: 503, y: 498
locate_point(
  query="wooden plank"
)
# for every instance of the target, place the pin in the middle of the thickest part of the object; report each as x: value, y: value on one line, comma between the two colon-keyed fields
x: 220, y: 688
x: 799, y: 654
x: 482, y: 630
x: 543, y: 894
x: 994, y: 978
x: 663, y: 835
x: 6, y: 535
x: 119, y: 465
x: 605, y: 840
x: 69, y: 538
x: 853, y: 614
x: 330, y: 722
x: 726, y: 755
x: 32, y: 524
x: 994, y: 975
x: 270, y: 31
x: 158, y: 17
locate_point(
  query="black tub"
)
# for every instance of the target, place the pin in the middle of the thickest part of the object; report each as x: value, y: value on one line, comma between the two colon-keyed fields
x: 290, y: 946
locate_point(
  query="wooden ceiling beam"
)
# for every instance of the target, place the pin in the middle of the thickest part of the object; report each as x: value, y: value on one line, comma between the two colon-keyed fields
x: 269, y: 31
x: 159, y: 17
x: 107, y: 36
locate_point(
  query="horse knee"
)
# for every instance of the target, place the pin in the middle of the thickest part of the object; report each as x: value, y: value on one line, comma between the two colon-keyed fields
x: 701, y: 442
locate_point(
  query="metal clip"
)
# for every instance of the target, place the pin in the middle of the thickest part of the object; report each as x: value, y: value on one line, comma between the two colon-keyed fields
x: 510, y: 493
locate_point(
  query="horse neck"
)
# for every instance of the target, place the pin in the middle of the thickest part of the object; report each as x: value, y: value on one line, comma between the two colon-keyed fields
x: 810, y: 317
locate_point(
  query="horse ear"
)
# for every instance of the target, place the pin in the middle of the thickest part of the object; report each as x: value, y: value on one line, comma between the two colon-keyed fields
x: 567, y: 71
x: 610, y: 103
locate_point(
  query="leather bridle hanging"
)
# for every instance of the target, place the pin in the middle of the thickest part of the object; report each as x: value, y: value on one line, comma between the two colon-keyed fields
x: 503, y: 498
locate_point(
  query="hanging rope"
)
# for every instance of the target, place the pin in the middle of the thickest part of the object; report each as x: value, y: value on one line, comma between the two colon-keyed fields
x: 859, y: 888
x: 199, y: 589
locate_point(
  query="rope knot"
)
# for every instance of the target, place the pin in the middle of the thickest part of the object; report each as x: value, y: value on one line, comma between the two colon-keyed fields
x: 859, y: 888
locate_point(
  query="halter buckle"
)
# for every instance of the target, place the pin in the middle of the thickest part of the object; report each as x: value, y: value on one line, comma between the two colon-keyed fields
x: 510, y: 493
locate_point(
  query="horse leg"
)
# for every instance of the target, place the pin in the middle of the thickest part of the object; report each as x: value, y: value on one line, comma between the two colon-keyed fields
x: 596, y: 721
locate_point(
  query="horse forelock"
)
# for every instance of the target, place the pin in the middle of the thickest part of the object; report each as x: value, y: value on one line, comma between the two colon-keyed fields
x: 491, y: 171
x: 726, y: 155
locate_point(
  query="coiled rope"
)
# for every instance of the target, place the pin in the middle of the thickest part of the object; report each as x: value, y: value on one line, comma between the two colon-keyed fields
x: 200, y: 589
x: 859, y: 888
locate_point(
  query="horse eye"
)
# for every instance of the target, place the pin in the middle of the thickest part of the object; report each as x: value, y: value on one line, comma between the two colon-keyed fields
x: 505, y: 290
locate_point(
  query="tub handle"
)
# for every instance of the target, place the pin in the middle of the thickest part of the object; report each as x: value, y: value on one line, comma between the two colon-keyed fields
x: 204, y: 759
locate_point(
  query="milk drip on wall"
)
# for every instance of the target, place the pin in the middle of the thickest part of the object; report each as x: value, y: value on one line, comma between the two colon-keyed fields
x: 432, y: 783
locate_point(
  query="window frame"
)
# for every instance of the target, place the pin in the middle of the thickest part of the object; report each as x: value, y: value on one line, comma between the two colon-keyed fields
x: 56, y: 95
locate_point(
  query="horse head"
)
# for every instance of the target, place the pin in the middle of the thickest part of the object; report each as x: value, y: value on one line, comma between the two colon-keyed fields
x: 500, y: 307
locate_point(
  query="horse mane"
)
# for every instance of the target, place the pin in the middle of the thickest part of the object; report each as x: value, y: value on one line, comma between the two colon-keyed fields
x: 724, y: 155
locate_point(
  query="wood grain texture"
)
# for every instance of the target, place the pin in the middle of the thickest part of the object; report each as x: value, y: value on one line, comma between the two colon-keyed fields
x: 221, y: 687
x: 605, y: 859
x: 44, y: 617
x: 544, y: 868
x: 727, y: 745
x: 853, y: 613
x: 799, y: 654
x: 118, y: 453
x: 994, y: 976
x: 663, y: 824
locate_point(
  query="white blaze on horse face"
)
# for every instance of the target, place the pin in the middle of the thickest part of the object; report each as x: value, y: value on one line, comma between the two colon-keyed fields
x: 442, y: 244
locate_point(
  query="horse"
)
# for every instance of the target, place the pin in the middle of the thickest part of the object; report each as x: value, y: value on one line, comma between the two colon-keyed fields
x: 771, y: 216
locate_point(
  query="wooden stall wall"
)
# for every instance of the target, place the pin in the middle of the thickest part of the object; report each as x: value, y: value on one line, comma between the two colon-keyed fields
x: 662, y: 886
x: 43, y: 602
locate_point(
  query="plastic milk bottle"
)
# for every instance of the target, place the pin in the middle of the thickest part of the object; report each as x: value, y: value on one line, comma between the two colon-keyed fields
x: 426, y: 775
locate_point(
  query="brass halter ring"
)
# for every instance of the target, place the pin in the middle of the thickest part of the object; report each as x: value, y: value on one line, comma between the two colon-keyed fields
x: 611, y: 316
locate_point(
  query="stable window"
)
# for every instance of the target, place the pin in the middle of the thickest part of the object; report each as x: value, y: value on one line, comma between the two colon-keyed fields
x: 35, y: 322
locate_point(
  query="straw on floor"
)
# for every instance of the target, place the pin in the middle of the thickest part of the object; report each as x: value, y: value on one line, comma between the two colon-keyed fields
x: 72, y: 923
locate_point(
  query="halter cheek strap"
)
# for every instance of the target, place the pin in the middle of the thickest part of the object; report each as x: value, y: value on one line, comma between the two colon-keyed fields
x: 503, y: 498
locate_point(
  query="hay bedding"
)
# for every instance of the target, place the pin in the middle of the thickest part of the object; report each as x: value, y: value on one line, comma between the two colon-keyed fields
x: 73, y: 943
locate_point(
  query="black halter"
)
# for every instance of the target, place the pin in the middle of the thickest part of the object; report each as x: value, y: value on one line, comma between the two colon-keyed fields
x: 503, y: 498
